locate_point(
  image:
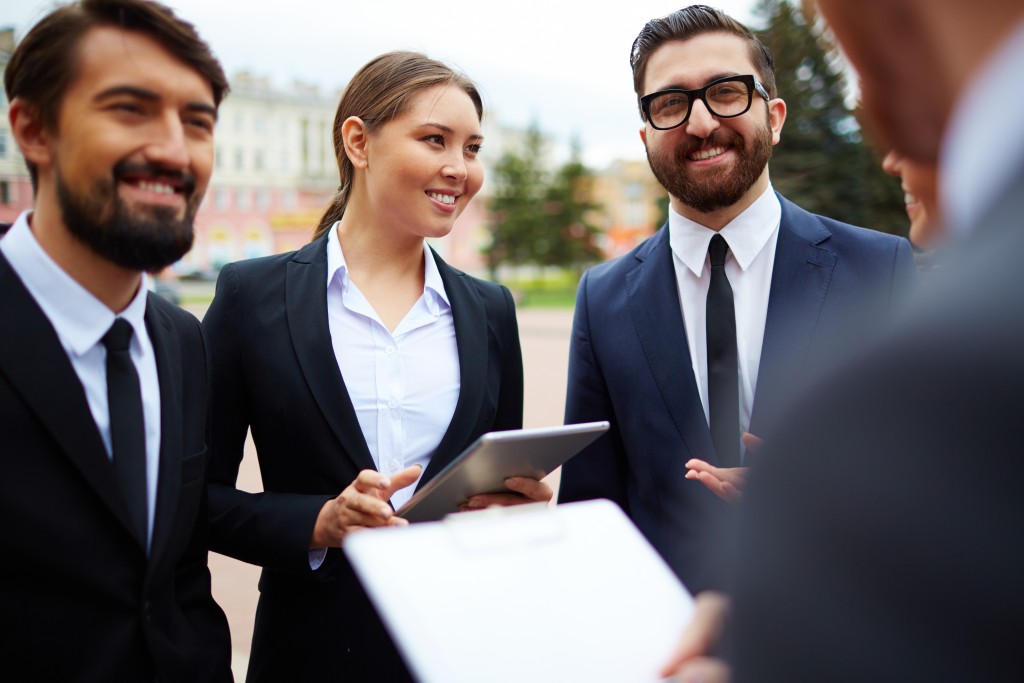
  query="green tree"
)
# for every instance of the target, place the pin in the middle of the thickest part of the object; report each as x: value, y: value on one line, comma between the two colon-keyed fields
x: 571, y: 235
x: 822, y: 162
x: 516, y: 206
x: 539, y: 217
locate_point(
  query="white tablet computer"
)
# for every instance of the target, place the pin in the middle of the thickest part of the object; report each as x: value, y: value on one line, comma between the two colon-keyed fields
x: 493, y: 458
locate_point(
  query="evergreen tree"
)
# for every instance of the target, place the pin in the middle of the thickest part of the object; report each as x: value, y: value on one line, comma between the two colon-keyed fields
x: 822, y: 163
x: 541, y: 218
x: 571, y: 235
x: 516, y: 205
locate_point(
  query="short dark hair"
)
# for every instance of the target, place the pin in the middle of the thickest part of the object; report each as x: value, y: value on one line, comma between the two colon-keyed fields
x: 693, y: 21
x: 44, y: 63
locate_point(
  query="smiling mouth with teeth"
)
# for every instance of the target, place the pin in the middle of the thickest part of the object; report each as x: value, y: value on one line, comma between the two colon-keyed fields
x: 159, y: 188
x: 443, y: 198
x: 702, y: 154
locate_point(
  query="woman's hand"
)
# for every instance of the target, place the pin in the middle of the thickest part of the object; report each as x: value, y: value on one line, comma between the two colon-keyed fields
x: 523, y: 490
x: 364, y: 503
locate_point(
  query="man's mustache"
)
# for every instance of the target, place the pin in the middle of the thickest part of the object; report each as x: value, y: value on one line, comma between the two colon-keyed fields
x: 183, y: 179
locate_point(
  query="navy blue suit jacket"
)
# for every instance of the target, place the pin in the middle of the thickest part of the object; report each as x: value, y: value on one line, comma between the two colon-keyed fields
x: 629, y: 364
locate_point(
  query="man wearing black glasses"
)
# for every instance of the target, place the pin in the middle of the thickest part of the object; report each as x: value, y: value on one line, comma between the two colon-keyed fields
x: 700, y: 333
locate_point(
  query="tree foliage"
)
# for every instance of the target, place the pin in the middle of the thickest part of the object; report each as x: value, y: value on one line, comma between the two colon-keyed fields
x: 822, y: 162
x: 540, y: 217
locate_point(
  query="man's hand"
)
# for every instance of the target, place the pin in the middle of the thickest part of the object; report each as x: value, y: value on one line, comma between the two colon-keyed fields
x: 691, y: 663
x: 725, y: 482
x: 525, y: 490
x: 364, y: 503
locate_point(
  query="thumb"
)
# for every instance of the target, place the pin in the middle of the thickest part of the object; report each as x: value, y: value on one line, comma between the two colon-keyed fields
x: 406, y: 477
x: 752, y: 443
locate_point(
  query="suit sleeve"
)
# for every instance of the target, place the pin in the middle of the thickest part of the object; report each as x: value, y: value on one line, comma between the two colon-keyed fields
x: 192, y: 575
x: 599, y: 471
x: 266, y: 529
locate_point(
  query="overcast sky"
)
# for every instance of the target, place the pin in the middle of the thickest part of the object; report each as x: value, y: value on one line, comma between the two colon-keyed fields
x: 563, y: 64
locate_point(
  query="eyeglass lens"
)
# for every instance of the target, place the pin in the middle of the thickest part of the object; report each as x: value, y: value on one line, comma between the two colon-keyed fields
x: 730, y: 98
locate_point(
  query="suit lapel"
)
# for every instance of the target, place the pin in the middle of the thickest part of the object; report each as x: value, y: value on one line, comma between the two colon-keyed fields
x: 38, y: 368
x: 470, y: 320
x: 800, y: 279
x: 653, y: 298
x: 169, y: 370
x: 306, y: 307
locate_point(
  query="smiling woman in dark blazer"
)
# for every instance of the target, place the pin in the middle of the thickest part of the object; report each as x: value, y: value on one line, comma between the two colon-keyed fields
x: 359, y: 362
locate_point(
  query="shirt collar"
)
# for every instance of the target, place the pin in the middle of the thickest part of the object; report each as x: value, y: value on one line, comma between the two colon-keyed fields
x: 79, y: 318
x: 746, y: 235
x: 434, y: 294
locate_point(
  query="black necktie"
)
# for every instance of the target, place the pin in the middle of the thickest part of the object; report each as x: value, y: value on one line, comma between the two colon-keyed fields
x: 127, y: 427
x: 723, y: 373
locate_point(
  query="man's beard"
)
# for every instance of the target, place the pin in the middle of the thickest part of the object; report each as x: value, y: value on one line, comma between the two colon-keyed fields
x: 707, y: 192
x: 148, y: 238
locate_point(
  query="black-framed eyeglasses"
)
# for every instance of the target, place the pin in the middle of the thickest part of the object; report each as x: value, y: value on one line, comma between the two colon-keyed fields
x: 725, y: 98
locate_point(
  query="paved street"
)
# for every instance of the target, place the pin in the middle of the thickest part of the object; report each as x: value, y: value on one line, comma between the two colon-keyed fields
x: 544, y: 335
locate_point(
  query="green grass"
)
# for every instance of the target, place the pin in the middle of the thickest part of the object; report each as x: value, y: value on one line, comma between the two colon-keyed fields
x: 552, y: 291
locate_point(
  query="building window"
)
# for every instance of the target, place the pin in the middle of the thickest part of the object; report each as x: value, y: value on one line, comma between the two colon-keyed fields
x: 262, y: 200
x: 3, y: 145
x: 5, y: 192
x: 289, y: 200
x: 257, y: 160
x: 222, y: 199
x: 242, y: 200
x: 238, y: 159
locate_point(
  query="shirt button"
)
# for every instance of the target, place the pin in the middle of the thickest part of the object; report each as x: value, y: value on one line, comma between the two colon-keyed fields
x: 390, y: 350
x: 392, y: 404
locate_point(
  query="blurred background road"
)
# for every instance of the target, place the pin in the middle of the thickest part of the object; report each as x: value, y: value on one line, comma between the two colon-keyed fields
x: 544, y: 334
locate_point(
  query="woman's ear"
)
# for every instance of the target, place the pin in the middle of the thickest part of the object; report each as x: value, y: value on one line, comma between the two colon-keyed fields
x: 354, y: 135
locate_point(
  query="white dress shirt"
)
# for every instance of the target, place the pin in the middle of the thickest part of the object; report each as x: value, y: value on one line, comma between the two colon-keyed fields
x: 80, y: 321
x: 984, y: 141
x: 751, y: 237
x: 404, y: 384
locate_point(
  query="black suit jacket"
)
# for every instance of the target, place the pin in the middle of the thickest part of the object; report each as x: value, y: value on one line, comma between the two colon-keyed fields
x: 80, y: 600
x: 275, y: 373
x: 883, y: 531
x: 630, y: 364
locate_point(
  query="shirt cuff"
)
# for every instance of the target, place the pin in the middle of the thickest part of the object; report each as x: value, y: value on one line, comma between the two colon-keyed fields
x: 316, y: 558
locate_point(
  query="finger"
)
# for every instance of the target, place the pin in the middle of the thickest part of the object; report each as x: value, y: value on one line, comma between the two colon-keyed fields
x: 711, y: 481
x: 486, y: 500
x: 752, y: 443
x: 731, y: 492
x: 735, y: 475
x: 400, y: 480
x: 372, y: 482
x: 533, y: 489
x: 700, y: 465
x: 718, y: 487
x: 703, y: 670
x: 366, y: 509
x: 702, y: 633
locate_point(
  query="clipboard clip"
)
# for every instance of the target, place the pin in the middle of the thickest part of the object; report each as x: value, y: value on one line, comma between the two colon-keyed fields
x: 504, y: 528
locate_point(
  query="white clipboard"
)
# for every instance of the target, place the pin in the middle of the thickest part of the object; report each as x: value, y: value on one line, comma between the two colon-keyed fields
x: 494, y: 457
x: 535, y: 593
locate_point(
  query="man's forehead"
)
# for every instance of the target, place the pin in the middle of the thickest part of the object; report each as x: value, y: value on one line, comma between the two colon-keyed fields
x: 694, y: 62
x: 109, y: 56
